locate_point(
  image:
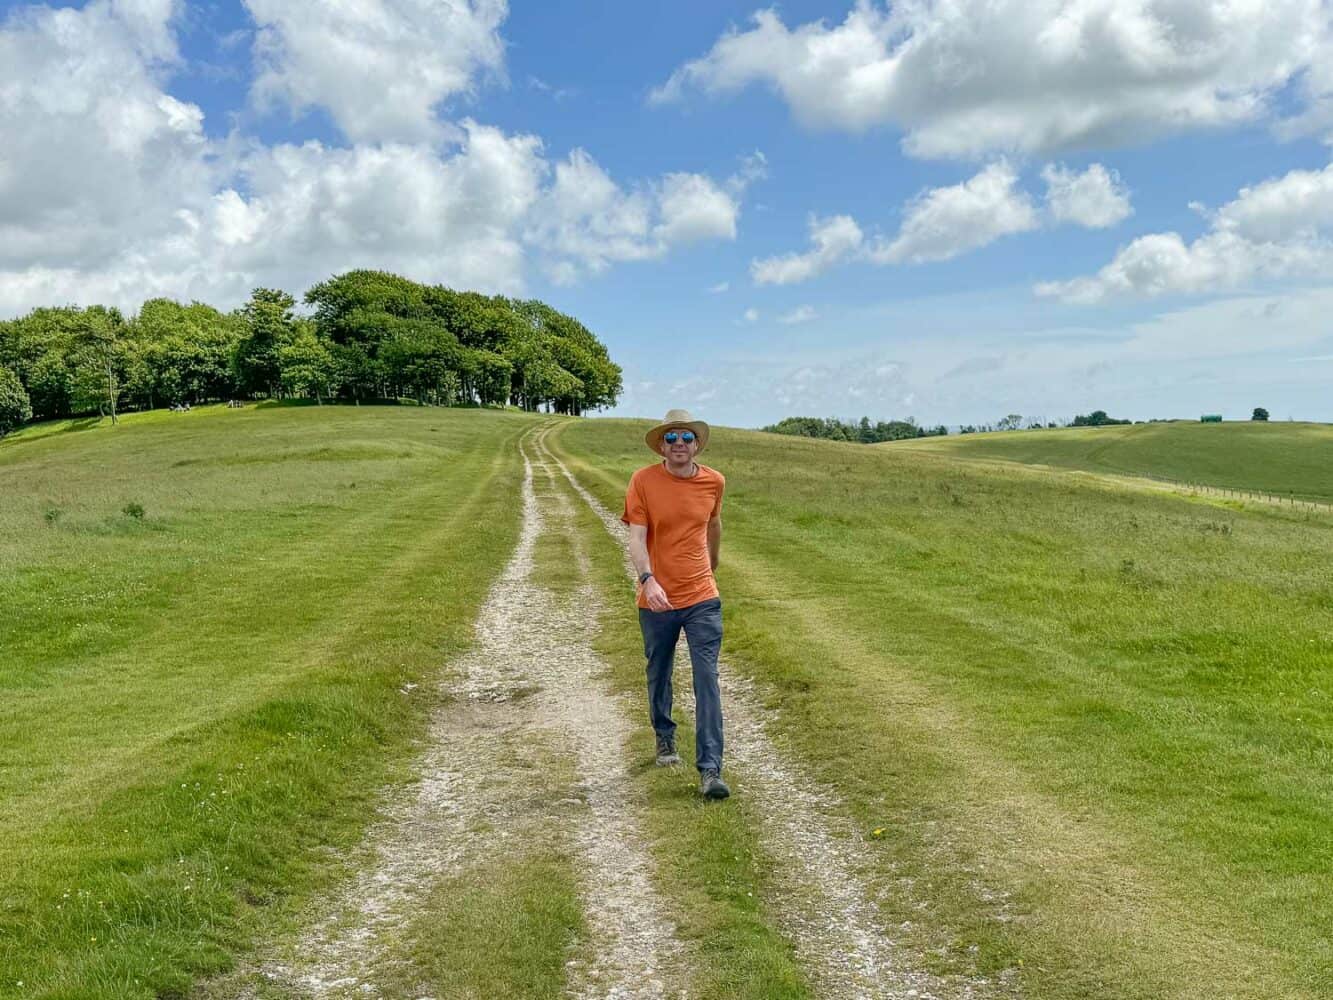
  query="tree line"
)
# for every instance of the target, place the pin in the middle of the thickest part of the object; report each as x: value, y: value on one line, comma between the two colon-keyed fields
x: 369, y: 335
x: 862, y: 431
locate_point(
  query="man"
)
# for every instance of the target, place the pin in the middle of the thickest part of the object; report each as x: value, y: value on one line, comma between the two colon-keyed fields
x: 674, y: 513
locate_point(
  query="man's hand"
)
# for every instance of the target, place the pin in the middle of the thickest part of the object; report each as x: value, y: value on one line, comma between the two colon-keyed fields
x: 655, y: 595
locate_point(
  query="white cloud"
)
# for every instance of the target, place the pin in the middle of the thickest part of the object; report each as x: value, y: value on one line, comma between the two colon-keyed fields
x: 944, y: 222
x: 834, y: 239
x: 586, y: 222
x: 947, y: 221
x: 801, y: 314
x: 91, y: 140
x: 693, y: 208
x: 112, y: 193
x: 380, y: 67
x: 967, y: 77
x: 753, y: 168
x: 751, y: 315
x: 1095, y: 198
x: 1278, y: 229
x: 719, y: 288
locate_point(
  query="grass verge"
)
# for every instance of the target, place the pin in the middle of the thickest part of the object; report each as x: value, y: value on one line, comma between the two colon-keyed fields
x: 203, y: 700
x: 1095, y: 723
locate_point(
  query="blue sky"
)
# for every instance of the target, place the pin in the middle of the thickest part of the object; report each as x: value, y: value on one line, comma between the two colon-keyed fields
x: 950, y: 211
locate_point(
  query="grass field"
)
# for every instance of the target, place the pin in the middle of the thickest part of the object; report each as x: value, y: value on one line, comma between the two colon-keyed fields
x: 1093, y: 723
x: 208, y: 620
x: 1287, y: 459
x: 1097, y: 724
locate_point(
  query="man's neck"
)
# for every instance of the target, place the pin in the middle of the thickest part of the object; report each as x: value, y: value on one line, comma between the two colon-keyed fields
x: 687, y: 471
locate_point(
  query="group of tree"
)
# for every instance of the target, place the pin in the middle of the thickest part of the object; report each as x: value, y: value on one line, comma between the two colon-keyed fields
x: 1097, y: 418
x: 862, y: 431
x: 369, y: 335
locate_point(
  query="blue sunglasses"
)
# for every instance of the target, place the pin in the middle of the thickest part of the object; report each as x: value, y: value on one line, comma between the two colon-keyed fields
x: 670, y: 436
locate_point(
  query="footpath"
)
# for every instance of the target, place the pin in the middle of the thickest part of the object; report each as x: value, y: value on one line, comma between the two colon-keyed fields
x: 533, y: 751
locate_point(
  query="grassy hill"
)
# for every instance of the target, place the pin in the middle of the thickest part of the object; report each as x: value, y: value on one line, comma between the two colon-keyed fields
x: 1274, y: 457
x: 1095, y: 723
x: 1087, y: 730
x: 207, y: 622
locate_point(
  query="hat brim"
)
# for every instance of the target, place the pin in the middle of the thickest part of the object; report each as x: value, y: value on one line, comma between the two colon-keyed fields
x: 654, y: 437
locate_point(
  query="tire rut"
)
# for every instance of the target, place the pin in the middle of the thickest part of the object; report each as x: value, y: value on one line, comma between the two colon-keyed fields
x: 530, y: 688
x: 821, y: 893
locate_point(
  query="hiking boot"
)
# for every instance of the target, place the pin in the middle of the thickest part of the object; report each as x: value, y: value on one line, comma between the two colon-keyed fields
x: 711, y: 785
x: 666, y: 752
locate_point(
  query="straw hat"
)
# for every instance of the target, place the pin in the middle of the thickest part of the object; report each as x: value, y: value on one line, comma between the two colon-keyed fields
x: 677, y: 418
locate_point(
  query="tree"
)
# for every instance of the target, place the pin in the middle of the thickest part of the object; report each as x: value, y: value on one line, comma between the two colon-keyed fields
x: 1097, y: 418
x: 98, y: 355
x: 269, y: 326
x: 1259, y: 414
x: 1012, y: 422
x: 308, y: 365
x: 15, y: 408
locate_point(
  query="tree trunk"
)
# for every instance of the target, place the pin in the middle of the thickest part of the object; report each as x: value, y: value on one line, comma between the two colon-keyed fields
x: 111, y: 390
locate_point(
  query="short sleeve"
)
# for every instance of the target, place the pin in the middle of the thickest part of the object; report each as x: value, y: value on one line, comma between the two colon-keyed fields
x: 721, y: 488
x: 636, y: 508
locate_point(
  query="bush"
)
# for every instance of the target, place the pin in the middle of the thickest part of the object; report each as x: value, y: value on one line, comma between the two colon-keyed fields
x: 15, y: 407
x: 1259, y: 414
x: 133, y: 509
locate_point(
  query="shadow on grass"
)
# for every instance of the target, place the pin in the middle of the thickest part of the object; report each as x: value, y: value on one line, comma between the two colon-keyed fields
x: 39, y: 432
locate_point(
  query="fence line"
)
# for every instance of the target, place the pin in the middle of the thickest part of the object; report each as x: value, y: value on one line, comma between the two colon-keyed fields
x: 1292, y: 500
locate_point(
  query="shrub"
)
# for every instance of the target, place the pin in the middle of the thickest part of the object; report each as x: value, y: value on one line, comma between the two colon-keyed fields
x: 133, y: 509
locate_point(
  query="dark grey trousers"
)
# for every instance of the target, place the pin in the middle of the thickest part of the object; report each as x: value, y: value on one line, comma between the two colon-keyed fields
x: 702, y: 624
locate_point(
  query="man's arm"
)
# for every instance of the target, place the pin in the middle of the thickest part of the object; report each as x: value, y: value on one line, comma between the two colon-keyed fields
x: 638, y: 555
x: 714, y: 540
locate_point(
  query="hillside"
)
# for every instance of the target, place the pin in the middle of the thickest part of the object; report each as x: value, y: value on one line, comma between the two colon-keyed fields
x: 1276, y: 457
x: 354, y: 696
x: 1092, y: 722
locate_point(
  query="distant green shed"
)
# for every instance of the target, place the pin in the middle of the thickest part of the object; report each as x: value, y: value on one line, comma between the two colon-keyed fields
x: 1211, y: 418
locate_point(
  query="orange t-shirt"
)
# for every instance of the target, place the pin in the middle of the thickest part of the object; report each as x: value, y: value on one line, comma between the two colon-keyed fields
x: 677, y: 512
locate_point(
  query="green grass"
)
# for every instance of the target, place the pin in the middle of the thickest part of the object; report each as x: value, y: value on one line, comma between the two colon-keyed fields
x: 504, y: 929
x: 1288, y: 459
x: 197, y: 699
x: 1097, y: 723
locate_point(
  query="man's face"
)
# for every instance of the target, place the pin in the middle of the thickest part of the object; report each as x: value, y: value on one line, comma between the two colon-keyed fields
x: 680, y: 450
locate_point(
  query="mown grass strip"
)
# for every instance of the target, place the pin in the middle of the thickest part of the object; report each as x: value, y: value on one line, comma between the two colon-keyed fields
x: 171, y: 780
x: 1094, y: 723
x: 504, y: 929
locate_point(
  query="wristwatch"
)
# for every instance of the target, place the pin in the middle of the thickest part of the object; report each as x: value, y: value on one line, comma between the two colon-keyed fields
x: 643, y: 577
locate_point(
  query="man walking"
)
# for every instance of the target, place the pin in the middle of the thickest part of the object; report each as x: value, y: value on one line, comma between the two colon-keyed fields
x: 674, y: 513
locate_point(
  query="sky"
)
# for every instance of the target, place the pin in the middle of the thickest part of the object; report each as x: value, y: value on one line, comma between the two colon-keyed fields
x: 952, y: 210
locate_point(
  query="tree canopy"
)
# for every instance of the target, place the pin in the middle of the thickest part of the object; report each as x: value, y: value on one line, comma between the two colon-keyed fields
x: 370, y: 335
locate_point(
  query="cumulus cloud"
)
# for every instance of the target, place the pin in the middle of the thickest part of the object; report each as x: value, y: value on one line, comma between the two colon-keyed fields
x: 113, y: 193
x: 1096, y: 198
x: 968, y: 77
x: 380, y: 67
x: 1278, y: 229
x: 948, y: 221
x: 92, y: 141
x: 308, y: 211
x: 938, y: 224
x: 833, y: 240
x: 751, y: 315
x: 586, y: 222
